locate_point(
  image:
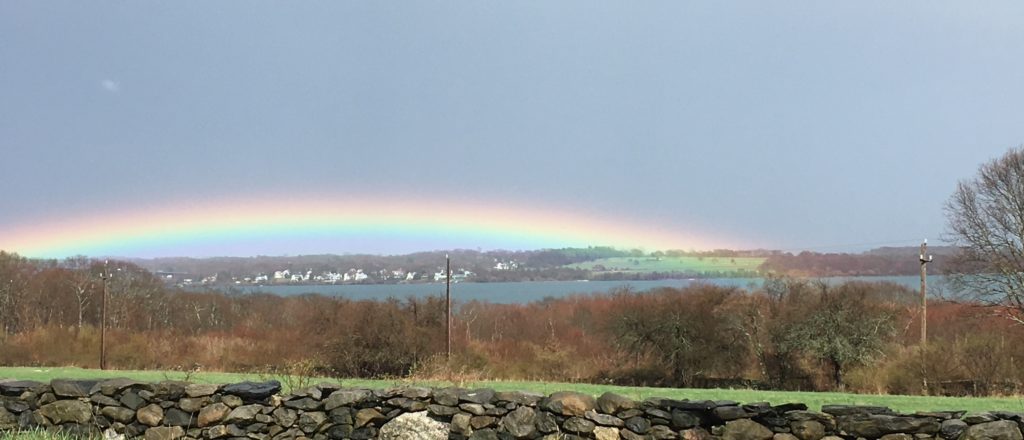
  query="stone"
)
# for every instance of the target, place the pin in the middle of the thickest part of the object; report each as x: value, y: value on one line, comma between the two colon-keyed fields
x: 849, y: 410
x: 413, y: 426
x: 951, y: 429
x: 342, y: 415
x: 807, y: 430
x: 611, y: 403
x: 638, y: 424
x: 72, y: 388
x: 745, y: 429
x: 213, y: 414
x: 447, y: 396
x: 730, y: 412
x: 480, y: 422
x: 874, y: 426
x: 231, y: 400
x: 193, y: 404
x: 784, y: 436
x: 314, y: 392
x: 658, y: 413
x: 201, y: 389
x: 942, y: 415
x: 16, y: 406
x: 697, y: 433
x: 253, y: 390
x: 8, y: 421
x: 305, y: 404
x: 689, y: 405
x: 569, y: 403
x: 604, y: 419
x: 338, y: 432
x: 579, y: 425
x: 998, y: 430
x: 460, y: 424
x: 475, y: 409
x: 898, y: 436
x: 243, y: 415
x: 366, y: 416
x: 110, y: 387
x: 606, y: 433
x: 521, y: 422
x: 16, y: 387
x: 974, y: 419
x: 345, y: 398
x: 662, y: 432
x: 286, y: 417
x: 165, y: 433
x: 630, y: 435
x: 311, y: 421
x: 150, y: 415
x: 410, y: 405
x: 177, y: 417
x: 546, y: 422
x: 170, y: 389
x: 123, y: 415
x: 518, y: 397
x: 67, y: 411
x: 787, y: 407
x: 442, y: 411
x: 481, y: 396
x: 484, y: 434
x: 364, y: 433
x: 684, y: 419
x: 132, y: 400
x: 100, y: 399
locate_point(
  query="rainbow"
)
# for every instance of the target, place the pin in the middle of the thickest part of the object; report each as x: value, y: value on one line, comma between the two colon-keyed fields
x: 246, y: 227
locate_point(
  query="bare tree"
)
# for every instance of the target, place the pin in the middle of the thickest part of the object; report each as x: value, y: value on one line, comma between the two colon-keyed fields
x: 986, y: 221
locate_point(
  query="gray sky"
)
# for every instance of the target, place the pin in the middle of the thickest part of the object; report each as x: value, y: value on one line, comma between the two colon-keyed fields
x: 785, y: 125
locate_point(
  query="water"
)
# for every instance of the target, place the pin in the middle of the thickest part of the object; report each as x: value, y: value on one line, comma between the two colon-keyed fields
x: 524, y: 292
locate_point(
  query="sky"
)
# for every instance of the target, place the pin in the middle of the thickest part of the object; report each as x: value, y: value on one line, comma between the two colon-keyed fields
x: 827, y: 126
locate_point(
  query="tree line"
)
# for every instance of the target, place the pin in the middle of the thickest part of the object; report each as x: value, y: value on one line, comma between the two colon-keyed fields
x: 788, y: 334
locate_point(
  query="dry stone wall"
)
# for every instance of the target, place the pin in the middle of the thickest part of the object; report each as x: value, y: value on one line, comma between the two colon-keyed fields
x: 174, y: 410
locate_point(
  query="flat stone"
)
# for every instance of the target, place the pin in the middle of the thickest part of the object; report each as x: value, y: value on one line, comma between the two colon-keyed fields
x: 419, y: 393
x: 243, y: 415
x: 285, y: 417
x: 662, y: 432
x: 727, y: 413
x: 442, y: 411
x: 8, y: 421
x: 611, y: 403
x: 345, y: 398
x: 638, y: 424
x: 579, y: 425
x: 684, y: 419
x: 518, y: 397
x: 447, y: 396
x: 849, y: 410
x: 305, y: 404
x: 110, y: 387
x: 201, y: 389
x: 72, y: 388
x: 253, y: 390
x: 231, y: 400
x: 974, y: 419
x: 807, y: 430
x: 342, y: 415
x: 337, y: 432
x: 604, y: 419
x: 606, y: 433
x: 311, y: 421
x: 193, y: 404
x: 480, y: 422
x: 951, y: 429
x: 460, y: 424
x: 16, y: 387
x: 366, y: 416
x: 100, y: 399
x: 874, y: 426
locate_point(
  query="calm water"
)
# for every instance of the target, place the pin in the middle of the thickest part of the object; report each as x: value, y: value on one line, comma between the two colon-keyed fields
x: 523, y: 292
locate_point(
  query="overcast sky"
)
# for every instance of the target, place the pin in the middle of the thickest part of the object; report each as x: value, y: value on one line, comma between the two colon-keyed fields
x: 789, y: 125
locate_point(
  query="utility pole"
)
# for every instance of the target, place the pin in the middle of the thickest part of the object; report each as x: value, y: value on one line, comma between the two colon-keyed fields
x: 924, y: 290
x: 103, y: 318
x: 924, y: 258
x: 448, y: 302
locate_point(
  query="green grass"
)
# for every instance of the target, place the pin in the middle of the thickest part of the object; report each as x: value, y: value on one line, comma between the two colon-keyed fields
x: 812, y: 399
x: 671, y: 264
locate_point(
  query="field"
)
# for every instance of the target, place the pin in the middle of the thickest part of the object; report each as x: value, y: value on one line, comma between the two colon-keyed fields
x: 695, y: 265
x: 813, y: 400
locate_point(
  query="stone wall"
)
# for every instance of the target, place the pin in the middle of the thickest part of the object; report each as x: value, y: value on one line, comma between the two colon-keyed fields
x: 173, y: 410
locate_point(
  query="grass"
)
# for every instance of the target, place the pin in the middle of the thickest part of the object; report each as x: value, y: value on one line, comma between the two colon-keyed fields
x: 696, y: 265
x: 814, y: 400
